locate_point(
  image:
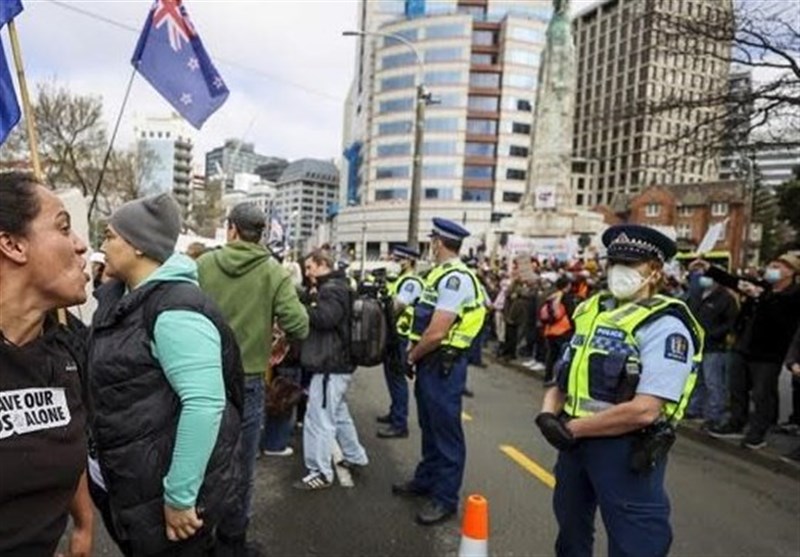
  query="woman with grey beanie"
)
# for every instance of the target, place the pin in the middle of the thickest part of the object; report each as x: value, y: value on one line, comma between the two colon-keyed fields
x: 166, y: 390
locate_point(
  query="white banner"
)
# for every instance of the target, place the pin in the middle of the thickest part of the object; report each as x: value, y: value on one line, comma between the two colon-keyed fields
x: 712, y: 237
x: 562, y: 249
x: 27, y: 410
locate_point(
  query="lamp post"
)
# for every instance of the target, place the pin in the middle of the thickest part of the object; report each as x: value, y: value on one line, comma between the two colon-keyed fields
x: 750, y: 198
x: 422, y: 99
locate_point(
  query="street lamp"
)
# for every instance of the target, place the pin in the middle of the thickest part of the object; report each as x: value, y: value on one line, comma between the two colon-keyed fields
x: 750, y: 198
x: 422, y: 99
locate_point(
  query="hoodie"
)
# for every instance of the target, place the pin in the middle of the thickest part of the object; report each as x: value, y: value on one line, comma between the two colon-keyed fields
x: 253, y: 291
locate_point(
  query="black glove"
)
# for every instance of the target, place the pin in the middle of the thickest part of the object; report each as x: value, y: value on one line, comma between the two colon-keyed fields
x: 555, y: 431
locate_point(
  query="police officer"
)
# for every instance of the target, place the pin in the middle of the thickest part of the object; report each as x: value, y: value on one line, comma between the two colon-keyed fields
x: 623, y: 383
x: 448, y: 315
x: 404, y: 292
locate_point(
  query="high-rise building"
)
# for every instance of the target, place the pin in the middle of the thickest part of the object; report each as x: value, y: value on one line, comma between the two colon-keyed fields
x: 623, y: 63
x: 271, y: 171
x: 305, y: 194
x: 235, y: 157
x: 480, y: 61
x: 164, y: 157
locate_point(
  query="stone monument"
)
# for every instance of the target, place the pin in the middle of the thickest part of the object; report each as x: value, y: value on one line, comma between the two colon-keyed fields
x: 547, y: 209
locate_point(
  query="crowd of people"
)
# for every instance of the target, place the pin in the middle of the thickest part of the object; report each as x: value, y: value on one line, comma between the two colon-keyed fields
x: 195, y: 365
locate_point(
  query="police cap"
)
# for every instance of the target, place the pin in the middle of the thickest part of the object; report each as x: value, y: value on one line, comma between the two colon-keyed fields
x: 405, y: 252
x: 444, y: 228
x: 633, y: 243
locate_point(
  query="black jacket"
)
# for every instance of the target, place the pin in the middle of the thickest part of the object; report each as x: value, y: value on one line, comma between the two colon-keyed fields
x: 717, y: 314
x: 766, y: 324
x: 135, y: 411
x: 327, y: 348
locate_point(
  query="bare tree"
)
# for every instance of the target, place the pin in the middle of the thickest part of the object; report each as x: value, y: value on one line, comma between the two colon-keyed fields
x: 760, y: 36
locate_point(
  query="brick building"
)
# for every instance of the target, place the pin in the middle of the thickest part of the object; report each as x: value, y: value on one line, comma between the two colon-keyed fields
x: 688, y: 209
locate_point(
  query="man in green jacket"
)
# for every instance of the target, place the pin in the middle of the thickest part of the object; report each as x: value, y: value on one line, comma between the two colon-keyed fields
x: 253, y: 291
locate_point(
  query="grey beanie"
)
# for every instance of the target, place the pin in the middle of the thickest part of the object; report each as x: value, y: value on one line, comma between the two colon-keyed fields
x: 150, y: 224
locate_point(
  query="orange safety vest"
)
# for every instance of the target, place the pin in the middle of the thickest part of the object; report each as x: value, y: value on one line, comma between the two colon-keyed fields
x: 559, y: 323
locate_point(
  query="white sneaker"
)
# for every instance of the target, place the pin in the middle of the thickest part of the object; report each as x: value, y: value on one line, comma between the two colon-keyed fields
x: 288, y: 451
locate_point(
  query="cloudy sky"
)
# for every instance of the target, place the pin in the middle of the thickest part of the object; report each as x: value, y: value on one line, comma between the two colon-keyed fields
x: 285, y: 62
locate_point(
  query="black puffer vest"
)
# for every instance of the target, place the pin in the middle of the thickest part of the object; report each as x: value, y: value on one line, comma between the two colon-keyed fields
x: 134, y: 411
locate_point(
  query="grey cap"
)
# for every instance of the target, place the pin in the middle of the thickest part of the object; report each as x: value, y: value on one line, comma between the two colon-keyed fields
x: 150, y: 224
x: 247, y: 216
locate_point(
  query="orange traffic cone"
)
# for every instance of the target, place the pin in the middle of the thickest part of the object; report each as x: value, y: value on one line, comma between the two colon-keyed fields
x: 475, y: 528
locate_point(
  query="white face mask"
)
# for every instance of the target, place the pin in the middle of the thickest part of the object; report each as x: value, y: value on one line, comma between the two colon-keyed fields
x: 625, y: 282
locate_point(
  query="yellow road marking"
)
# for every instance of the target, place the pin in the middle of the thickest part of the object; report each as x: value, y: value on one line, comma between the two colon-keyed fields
x: 465, y: 417
x: 541, y: 474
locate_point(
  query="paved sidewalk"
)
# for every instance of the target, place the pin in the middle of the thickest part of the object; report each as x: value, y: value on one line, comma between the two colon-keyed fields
x: 778, y: 444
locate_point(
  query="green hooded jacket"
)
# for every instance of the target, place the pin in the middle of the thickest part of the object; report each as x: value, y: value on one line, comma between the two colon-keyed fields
x: 253, y: 291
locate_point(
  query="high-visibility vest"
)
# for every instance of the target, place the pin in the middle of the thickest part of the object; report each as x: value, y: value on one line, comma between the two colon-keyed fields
x: 470, y: 317
x: 407, y: 314
x: 604, y: 348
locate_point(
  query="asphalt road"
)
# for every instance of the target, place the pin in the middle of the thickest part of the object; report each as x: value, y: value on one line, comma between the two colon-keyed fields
x: 721, y: 505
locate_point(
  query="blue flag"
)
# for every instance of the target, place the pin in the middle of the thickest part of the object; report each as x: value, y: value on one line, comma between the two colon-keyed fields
x: 9, y: 106
x: 171, y: 57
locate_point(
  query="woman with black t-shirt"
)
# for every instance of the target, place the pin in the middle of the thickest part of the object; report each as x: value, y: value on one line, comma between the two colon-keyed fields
x: 42, y: 416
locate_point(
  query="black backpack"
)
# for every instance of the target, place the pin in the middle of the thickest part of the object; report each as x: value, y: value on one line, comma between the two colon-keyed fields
x: 368, y: 332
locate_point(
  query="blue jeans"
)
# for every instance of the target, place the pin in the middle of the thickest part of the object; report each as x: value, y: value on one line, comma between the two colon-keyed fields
x: 235, y: 524
x: 475, y: 351
x: 278, y: 429
x: 327, y: 420
x: 715, y: 376
x: 398, y: 391
x: 634, y: 506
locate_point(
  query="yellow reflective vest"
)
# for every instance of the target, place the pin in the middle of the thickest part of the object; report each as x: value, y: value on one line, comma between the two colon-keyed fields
x: 604, y: 349
x: 470, y: 317
x: 407, y: 314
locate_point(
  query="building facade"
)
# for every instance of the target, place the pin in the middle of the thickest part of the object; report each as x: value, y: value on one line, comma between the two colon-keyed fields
x: 687, y: 211
x: 305, y: 195
x: 624, y: 68
x: 479, y: 61
x: 235, y: 157
x: 164, y: 148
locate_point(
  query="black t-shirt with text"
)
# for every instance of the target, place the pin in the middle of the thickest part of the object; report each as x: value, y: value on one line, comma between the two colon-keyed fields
x: 42, y: 440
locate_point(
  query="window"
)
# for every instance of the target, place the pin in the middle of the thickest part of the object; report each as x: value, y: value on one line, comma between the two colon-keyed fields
x: 398, y: 60
x: 511, y: 197
x: 481, y: 127
x: 390, y: 128
x: 439, y: 171
x: 517, y: 151
x: 484, y: 38
x: 443, y: 54
x: 515, y: 174
x: 478, y: 172
x: 487, y: 104
x: 393, y: 193
x: 523, y: 57
x: 396, y: 105
x: 480, y: 149
x: 684, y: 230
x: 450, y: 100
x: 488, y: 59
x: 516, y: 127
x: 394, y: 150
x: 392, y: 172
x: 438, y: 193
x: 526, y: 34
x: 719, y: 209
x: 447, y: 31
x: 439, y: 148
x: 524, y: 105
x: 408, y: 34
x: 399, y: 82
x: 443, y: 78
x: 684, y: 211
x: 723, y: 233
x: 476, y: 194
x: 519, y: 81
x: 441, y: 124
x: 652, y: 210
x: 489, y: 80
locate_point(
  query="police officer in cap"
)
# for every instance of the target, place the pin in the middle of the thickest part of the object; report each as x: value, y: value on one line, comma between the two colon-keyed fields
x: 622, y: 385
x: 404, y: 292
x: 448, y: 315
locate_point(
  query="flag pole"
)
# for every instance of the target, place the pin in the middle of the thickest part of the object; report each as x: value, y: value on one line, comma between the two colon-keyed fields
x: 33, y: 142
x: 99, y: 185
